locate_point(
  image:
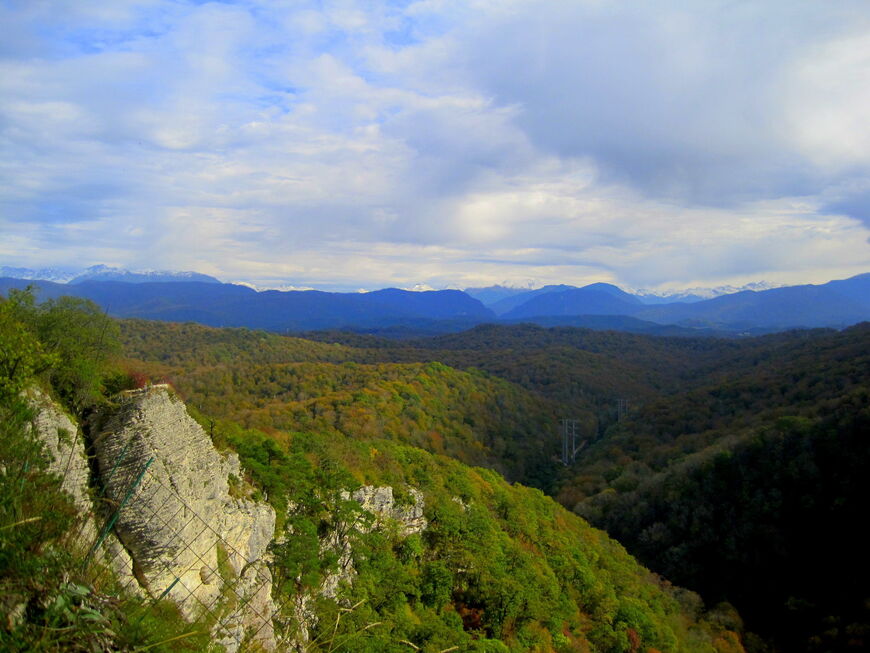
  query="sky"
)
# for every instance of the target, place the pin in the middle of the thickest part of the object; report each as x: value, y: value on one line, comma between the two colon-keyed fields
x: 345, y: 145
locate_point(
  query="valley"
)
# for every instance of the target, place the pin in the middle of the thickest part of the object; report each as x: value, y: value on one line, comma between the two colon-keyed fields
x: 724, y: 465
x: 714, y: 429
x: 425, y: 326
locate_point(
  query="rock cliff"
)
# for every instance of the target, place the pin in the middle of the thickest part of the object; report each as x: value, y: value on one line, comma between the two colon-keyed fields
x: 187, y: 536
x: 180, y: 528
x: 65, y: 447
x: 177, y: 530
x: 67, y: 457
x: 382, y: 511
x: 380, y: 502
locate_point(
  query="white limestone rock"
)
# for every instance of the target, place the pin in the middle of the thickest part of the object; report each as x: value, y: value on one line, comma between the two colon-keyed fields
x: 380, y: 502
x: 64, y: 444
x: 183, y: 530
x: 65, y: 448
x: 383, y: 512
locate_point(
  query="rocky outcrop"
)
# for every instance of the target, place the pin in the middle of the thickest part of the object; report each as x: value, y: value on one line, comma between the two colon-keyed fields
x: 180, y: 530
x: 65, y: 450
x: 381, y: 510
x: 380, y: 502
x: 188, y: 538
x: 64, y: 445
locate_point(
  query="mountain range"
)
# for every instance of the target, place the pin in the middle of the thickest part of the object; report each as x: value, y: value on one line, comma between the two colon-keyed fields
x: 104, y: 273
x: 735, y: 468
x: 834, y: 304
x: 503, y: 298
x: 190, y: 296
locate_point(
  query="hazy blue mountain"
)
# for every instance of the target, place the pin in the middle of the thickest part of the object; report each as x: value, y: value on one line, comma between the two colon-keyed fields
x: 492, y: 294
x: 683, y: 298
x: 431, y: 303
x: 509, y: 303
x: 834, y: 304
x: 403, y: 313
x: 614, y: 291
x: 57, y: 275
x: 107, y: 273
x: 594, y: 299
x: 856, y: 288
x: 697, y: 294
x: 103, y: 273
x: 218, y: 304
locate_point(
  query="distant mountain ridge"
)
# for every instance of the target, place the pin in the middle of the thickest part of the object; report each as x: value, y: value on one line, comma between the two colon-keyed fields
x: 188, y: 296
x: 220, y: 304
x: 698, y: 294
x: 104, y: 273
x: 491, y: 296
x: 55, y: 275
x: 594, y: 299
x: 107, y: 273
x: 833, y: 304
x: 507, y: 304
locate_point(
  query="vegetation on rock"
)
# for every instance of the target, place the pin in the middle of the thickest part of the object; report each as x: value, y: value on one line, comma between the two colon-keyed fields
x: 729, y: 465
x: 500, y: 567
x: 650, y: 473
x: 52, y: 598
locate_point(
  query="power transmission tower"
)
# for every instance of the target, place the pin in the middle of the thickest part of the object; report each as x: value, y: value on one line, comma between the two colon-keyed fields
x: 569, y: 430
x: 621, y: 409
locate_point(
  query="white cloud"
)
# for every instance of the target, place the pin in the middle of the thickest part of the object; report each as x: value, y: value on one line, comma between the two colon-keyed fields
x: 444, y: 143
x: 830, y: 94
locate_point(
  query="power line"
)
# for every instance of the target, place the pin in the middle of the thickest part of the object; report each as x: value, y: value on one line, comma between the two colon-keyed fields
x: 570, y: 434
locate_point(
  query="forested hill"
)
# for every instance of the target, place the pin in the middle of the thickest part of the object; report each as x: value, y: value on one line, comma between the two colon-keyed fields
x: 732, y: 485
x: 402, y: 313
x: 272, y: 382
x: 726, y: 452
x: 489, y: 567
x: 527, y: 376
x: 586, y: 371
x: 573, y: 372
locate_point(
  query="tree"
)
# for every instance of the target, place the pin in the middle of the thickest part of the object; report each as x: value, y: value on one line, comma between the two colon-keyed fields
x: 21, y: 354
x: 70, y: 340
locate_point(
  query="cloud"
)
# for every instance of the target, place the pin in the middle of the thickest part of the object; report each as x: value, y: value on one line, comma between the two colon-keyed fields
x: 717, y: 102
x: 827, y: 108
x: 448, y: 143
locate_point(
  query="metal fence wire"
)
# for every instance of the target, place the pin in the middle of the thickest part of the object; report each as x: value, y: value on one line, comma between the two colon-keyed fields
x: 192, y: 564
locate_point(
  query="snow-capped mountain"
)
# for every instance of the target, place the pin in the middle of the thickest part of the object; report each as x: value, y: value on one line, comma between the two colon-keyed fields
x: 108, y: 273
x: 697, y: 294
x: 489, y: 295
x: 55, y: 275
x: 103, y: 273
x: 260, y: 287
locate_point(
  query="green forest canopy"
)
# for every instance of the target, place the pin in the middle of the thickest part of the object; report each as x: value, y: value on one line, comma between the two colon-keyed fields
x: 501, y: 567
x: 694, y: 405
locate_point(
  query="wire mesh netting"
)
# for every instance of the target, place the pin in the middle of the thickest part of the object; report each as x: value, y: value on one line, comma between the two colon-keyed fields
x: 179, y: 554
